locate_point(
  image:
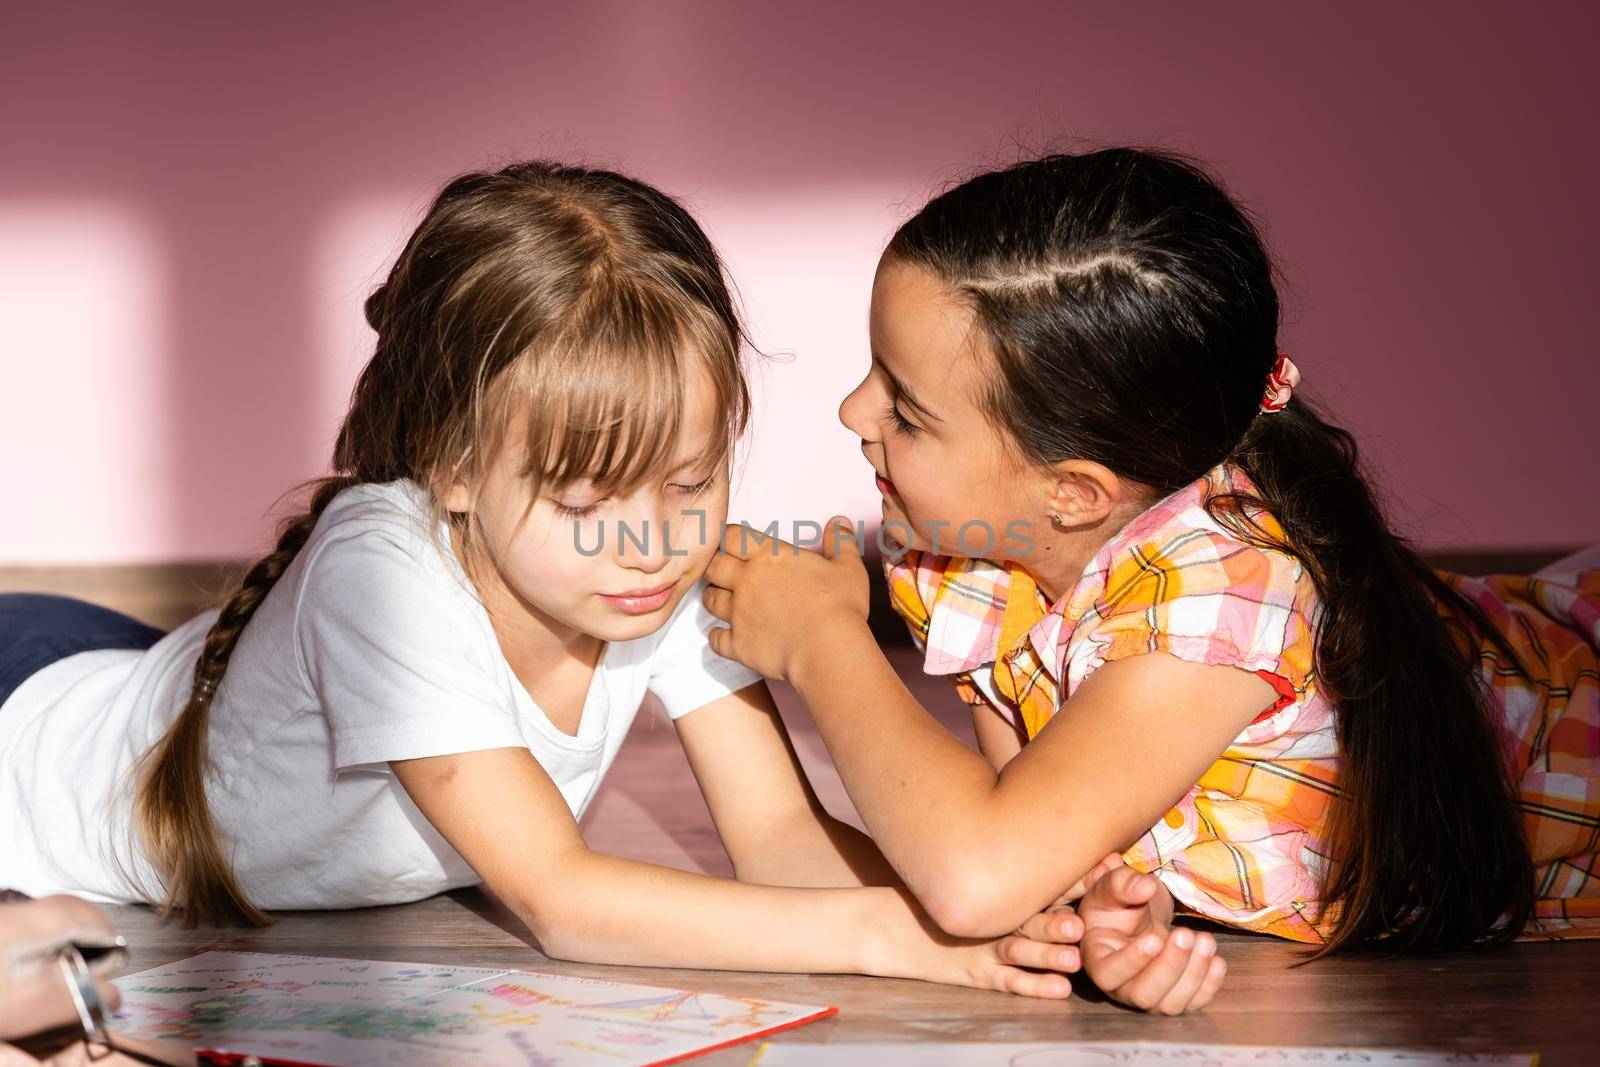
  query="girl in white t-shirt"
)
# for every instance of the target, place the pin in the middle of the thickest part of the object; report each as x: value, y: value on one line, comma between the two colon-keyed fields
x: 423, y: 683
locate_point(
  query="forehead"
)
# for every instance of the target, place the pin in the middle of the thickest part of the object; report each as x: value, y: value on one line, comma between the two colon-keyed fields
x: 658, y: 435
x: 924, y: 332
x: 701, y: 430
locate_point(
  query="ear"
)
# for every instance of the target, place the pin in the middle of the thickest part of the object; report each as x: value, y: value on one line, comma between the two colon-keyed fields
x: 1085, y: 493
x: 455, y: 496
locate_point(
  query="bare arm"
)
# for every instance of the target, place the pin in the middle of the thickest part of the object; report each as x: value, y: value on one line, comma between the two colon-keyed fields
x: 775, y: 829
x: 982, y: 849
x: 504, y: 815
x: 999, y: 739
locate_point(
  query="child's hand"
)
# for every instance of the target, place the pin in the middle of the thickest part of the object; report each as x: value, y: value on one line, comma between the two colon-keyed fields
x: 1132, y: 952
x: 776, y: 596
x: 1033, y: 962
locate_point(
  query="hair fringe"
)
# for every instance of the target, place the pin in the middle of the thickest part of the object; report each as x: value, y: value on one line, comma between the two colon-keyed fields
x: 563, y: 296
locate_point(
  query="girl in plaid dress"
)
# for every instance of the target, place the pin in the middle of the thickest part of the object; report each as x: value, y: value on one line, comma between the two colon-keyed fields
x: 1186, y: 631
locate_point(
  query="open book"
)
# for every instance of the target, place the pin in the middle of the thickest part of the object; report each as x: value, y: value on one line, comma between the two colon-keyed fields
x: 312, y: 1010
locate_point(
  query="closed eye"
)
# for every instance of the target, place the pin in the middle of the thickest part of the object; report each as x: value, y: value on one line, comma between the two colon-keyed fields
x: 897, y: 420
x: 577, y: 512
x: 698, y: 487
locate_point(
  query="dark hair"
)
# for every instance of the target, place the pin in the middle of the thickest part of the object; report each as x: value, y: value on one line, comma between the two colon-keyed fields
x: 570, y: 303
x: 1133, y: 316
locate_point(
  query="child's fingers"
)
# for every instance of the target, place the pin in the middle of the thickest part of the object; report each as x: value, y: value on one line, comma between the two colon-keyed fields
x: 738, y: 538
x: 1183, y: 991
x: 1095, y: 874
x: 1021, y: 952
x: 1029, y: 984
x: 1126, y: 887
x: 1061, y: 925
x: 110, y: 994
x: 718, y: 601
x: 1149, y: 987
x: 1112, y: 959
x: 724, y: 569
x: 1110, y: 863
x: 840, y: 533
x: 1208, y: 989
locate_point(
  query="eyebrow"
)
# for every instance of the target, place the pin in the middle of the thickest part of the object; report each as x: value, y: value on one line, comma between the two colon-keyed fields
x: 900, y: 387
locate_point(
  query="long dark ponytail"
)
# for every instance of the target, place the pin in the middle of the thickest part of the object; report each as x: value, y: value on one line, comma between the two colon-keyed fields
x: 1134, y: 316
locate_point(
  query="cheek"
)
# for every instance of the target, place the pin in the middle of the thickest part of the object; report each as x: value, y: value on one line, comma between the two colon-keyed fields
x: 941, y: 491
x: 542, y: 560
x: 696, y: 532
x: 927, y: 479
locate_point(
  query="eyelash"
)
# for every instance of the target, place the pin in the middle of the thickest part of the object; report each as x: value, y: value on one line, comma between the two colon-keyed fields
x: 699, y: 487
x: 899, y: 421
x: 589, y: 509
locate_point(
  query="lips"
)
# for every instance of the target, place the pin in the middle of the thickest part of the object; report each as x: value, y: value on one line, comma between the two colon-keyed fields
x: 640, y: 601
x: 885, y: 486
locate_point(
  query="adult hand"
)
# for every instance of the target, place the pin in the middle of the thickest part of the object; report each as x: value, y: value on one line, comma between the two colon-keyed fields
x: 34, y: 996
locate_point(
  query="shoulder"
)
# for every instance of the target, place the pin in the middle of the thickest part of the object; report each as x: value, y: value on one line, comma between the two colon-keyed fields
x: 398, y: 512
x: 683, y: 670
x: 380, y: 532
x: 1181, y: 548
x: 689, y: 620
x: 374, y: 571
x: 1183, y: 581
x: 1195, y: 562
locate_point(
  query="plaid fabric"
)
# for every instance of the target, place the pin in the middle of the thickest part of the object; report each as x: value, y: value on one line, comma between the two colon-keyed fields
x: 1245, y: 846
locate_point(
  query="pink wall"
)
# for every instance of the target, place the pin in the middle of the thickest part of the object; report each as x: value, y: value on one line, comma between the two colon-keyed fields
x: 194, y: 198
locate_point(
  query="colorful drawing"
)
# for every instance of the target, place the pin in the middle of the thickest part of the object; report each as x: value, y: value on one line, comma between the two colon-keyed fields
x: 1114, y: 1054
x: 667, y: 1008
x: 354, y: 1012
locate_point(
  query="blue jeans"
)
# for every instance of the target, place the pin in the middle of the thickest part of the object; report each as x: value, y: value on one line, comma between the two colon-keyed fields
x: 37, y: 629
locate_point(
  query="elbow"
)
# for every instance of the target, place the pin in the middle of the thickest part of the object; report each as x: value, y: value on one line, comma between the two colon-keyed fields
x: 570, y: 950
x: 560, y: 936
x: 542, y: 923
x: 975, y: 902
x: 554, y: 913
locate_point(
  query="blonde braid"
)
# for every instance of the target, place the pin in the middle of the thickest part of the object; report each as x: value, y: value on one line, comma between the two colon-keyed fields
x: 180, y: 835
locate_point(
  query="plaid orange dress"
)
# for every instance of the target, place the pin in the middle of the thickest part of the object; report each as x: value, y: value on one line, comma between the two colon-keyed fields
x: 1246, y: 845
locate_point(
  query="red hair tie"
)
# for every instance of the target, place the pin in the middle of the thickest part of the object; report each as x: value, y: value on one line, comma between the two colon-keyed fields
x: 1280, y: 384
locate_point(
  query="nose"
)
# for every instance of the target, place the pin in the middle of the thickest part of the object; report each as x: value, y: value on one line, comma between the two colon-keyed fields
x: 642, y: 542
x: 856, y: 411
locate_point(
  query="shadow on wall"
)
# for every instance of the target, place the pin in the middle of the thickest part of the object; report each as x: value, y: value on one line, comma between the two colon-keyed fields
x: 195, y: 199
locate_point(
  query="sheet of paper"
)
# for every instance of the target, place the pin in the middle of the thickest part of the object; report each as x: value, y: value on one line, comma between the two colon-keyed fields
x: 356, y: 1012
x: 1110, y: 1054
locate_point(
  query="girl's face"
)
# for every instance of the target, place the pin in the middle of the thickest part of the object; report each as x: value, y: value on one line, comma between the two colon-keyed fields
x: 944, y: 472
x: 611, y: 566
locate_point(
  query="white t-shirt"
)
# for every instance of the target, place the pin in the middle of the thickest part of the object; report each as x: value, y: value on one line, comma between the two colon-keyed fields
x: 372, y: 647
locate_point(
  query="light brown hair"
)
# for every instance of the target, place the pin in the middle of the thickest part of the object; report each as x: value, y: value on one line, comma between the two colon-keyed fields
x: 570, y: 304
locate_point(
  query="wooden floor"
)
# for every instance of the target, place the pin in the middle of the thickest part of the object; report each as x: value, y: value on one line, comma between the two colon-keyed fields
x: 1526, y: 998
